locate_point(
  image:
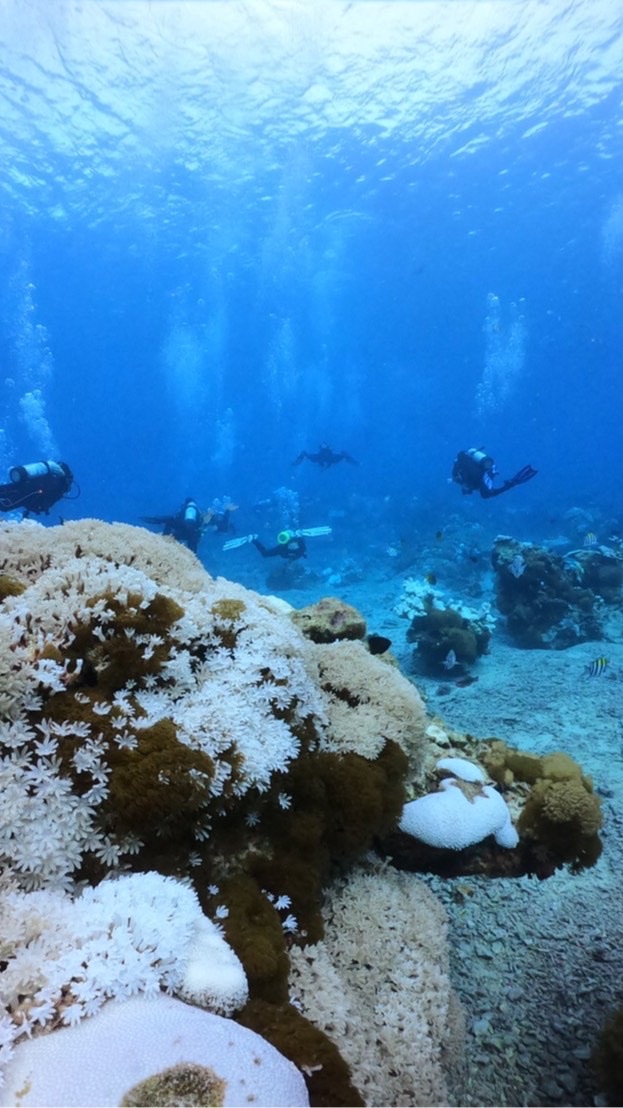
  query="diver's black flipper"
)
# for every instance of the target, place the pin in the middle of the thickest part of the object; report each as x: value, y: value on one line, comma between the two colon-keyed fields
x: 159, y: 520
x: 525, y: 474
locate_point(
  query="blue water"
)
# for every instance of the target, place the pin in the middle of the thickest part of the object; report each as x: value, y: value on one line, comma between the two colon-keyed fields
x: 231, y: 231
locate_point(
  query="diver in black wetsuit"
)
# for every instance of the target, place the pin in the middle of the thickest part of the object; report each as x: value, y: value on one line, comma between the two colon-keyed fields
x: 289, y: 546
x: 218, y: 516
x: 475, y: 471
x: 325, y: 457
x: 186, y: 526
x: 36, y: 487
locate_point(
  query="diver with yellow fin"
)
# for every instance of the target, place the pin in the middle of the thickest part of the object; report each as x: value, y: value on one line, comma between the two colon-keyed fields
x: 290, y: 543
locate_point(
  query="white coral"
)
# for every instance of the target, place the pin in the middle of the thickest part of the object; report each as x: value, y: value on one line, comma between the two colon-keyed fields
x: 134, y: 934
x: 451, y: 820
x: 103, y: 1058
x: 379, y: 985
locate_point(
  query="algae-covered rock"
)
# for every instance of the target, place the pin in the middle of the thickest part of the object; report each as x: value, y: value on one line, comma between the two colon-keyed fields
x: 330, y: 620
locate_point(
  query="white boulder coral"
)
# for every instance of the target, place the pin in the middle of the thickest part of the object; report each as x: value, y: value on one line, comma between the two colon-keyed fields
x: 103, y: 1058
x: 450, y: 819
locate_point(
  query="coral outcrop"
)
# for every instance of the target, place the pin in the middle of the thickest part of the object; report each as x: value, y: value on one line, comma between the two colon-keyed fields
x: 449, y: 635
x: 153, y: 719
x: 446, y: 639
x: 330, y: 620
x: 553, y: 601
x: 554, y: 809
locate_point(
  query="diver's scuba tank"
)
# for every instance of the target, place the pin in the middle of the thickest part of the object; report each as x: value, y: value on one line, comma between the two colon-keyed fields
x: 36, y: 470
x: 480, y: 456
x: 192, y: 515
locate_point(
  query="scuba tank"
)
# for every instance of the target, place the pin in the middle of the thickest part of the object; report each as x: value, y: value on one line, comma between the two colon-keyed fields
x: 192, y: 515
x: 34, y: 470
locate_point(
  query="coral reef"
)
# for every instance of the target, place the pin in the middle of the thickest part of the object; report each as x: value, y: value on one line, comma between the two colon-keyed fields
x: 551, y: 601
x: 552, y: 803
x: 383, y: 992
x: 188, y: 783
x: 154, y: 719
x: 447, y: 639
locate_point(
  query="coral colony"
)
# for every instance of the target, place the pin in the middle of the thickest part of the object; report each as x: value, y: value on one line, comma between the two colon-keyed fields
x: 195, y: 796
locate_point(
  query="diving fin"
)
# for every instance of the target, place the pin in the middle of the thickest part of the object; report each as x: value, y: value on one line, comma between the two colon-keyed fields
x: 242, y: 540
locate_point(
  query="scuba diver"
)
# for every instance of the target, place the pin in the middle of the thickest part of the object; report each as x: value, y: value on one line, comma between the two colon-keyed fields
x: 218, y: 516
x: 36, y: 487
x: 186, y: 526
x: 290, y: 543
x: 325, y: 457
x: 475, y: 471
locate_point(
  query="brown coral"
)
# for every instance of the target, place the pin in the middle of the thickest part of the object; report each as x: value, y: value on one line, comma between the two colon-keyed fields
x: 330, y: 620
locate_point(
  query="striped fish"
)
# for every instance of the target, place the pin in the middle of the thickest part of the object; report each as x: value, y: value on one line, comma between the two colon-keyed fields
x: 596, y: 668
x: 590, y: 539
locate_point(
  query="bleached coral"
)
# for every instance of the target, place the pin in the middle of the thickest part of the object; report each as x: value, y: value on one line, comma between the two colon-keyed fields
x: 101, y: 1060
x: 65, y: 956
x: 151, y: 715
x: 452, y: 820
x: 109, y: 651
x: 378, y: 984
x: 417, y: 595
x: 27, y: 549
x: 235, y: 687
x: 368, y: 702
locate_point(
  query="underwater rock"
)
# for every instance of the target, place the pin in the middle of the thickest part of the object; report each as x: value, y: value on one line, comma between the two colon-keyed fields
x: 330, y: 620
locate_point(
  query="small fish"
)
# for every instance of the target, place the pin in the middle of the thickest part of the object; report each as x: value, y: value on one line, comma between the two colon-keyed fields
x: 431, y: 578
x: 463, y: 682
x: 439, y: 536
x: 590, y: 539
x: 596, y: 668
x: 518, y: 566
x: 449, y: 661
x: 392, y: 551
x: 378, y: 644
